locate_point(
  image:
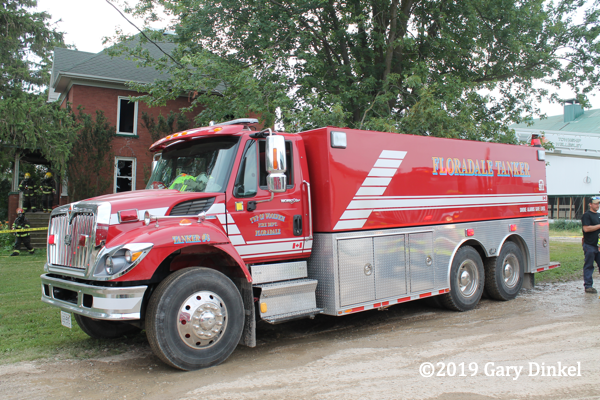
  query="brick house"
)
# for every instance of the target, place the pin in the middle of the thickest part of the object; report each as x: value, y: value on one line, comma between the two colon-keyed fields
x: 98, y: 81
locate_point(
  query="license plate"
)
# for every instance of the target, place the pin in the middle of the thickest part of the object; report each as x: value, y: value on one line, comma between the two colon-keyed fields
x: 65, y: 319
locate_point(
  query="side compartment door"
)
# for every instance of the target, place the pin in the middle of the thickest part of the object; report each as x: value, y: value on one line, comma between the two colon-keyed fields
x: 356, y: 272
x: 390, y: 266
x: 421, y: 261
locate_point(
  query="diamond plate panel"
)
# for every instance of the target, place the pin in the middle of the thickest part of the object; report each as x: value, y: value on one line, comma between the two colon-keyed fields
x: 278, y: 272
x: 421, y: 261
x: 322, y: 266
x: 288, y: 297
x: 390, y: 266
x: 542, y: 243
x: 445, y: 240
x: 357, y: 274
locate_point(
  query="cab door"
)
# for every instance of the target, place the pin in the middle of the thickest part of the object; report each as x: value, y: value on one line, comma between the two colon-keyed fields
x: 262, y: 229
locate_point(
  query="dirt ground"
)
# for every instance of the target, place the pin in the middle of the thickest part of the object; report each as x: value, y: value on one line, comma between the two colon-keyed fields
x: 501, y: 350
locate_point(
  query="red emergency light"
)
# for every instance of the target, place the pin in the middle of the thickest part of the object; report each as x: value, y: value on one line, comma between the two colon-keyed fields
x: 51, y: 239
x: 470, y: 232
x: 512, y: 227
x: 535, y: 140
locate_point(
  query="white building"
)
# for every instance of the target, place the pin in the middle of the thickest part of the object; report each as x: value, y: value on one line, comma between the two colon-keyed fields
x: 573, y: 167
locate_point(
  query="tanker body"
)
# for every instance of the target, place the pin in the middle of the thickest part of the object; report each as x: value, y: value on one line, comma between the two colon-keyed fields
x: 238, y: 226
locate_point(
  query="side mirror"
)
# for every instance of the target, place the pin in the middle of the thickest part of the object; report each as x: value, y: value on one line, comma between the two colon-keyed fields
x: 276, y: 165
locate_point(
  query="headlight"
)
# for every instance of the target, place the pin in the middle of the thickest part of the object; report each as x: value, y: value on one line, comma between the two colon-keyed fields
x: 128, y: 256
x: 115, y: 261
x: 109, y: 265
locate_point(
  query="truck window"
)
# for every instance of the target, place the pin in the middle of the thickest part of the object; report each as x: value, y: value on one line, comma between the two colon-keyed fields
x: 246, y: 183
x: 202, y: 165
x: 288, y: 160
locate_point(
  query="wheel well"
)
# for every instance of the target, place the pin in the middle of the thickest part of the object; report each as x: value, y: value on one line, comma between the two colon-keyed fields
x: 477, y: 246
x: 518, y: 240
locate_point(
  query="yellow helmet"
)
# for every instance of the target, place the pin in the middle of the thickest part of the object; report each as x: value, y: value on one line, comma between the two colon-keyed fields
x: 48, y: 174
x: 27, y: 175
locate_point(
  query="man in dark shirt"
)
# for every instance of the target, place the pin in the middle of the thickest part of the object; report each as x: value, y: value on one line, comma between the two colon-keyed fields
x: 590, y: 224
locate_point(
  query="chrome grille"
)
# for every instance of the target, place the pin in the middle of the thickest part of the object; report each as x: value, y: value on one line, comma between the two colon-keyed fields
x: 71, y: 254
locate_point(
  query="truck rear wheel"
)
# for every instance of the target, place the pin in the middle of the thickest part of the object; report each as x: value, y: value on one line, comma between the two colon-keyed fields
x: 194, y: 319
x: 504, y: 274
x: 102, y: 329
x: 466, y: 281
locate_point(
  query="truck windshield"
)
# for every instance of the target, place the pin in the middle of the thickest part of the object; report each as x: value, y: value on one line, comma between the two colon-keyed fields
x: 201, y: 165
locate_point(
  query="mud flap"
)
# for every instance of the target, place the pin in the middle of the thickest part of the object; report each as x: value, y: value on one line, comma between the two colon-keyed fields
x: 249, y: 333
x: 528, y: 280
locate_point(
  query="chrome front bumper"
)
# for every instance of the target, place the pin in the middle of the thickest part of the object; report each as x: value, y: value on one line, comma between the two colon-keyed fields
x: 100, y: 302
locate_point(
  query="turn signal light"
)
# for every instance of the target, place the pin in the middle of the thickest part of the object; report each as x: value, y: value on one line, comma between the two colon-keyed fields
x: 512, y: 227
x: 469, y: 232
x: 128, y: 216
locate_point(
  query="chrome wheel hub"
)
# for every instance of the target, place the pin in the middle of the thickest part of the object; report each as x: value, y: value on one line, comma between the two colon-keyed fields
x: 202, y: 319
x: 510, y: 270
x: 468, y: 278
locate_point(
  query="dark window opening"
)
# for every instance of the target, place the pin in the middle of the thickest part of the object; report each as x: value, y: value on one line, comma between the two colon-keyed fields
x: 124, y: 176
x: 126, y: 116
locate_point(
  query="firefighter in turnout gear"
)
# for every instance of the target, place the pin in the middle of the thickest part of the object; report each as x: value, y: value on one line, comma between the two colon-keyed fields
x: 22, y: 237
x: 27, y: 186
x: 48, y: 191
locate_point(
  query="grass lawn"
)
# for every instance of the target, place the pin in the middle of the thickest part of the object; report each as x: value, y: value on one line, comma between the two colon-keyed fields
x: 30, y: 329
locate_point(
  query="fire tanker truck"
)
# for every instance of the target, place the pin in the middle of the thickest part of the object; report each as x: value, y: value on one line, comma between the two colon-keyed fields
x: 238, y: 225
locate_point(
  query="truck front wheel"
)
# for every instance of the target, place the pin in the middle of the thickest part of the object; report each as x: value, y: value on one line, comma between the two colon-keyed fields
x: 504, y: 274
x: 101, y: 329
x: 466, y: 280
x: 194, y: 319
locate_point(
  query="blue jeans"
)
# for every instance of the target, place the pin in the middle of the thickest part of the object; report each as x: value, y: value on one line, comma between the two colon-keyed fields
x: 591, y: 254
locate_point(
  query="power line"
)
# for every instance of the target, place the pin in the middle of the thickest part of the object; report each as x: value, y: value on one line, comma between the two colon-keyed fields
x: 142, y: 32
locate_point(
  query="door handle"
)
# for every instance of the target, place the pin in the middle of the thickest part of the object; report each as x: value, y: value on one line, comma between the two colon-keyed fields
x: 297, y: 225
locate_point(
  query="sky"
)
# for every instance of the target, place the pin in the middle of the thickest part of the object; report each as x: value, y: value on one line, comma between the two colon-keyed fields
x: 87, y: 22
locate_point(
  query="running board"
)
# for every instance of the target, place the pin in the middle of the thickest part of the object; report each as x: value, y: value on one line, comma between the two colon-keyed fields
x: 276, y: 319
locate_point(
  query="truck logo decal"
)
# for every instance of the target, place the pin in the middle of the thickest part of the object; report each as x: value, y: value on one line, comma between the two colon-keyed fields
x: 204, y: 238
x: 469, y: 167
x: 375, y: 184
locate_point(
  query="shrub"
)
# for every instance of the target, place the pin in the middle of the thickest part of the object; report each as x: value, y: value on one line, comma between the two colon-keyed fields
x: 566, y: 225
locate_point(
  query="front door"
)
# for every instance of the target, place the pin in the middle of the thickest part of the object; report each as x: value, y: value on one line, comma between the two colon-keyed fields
x: 262, y: 229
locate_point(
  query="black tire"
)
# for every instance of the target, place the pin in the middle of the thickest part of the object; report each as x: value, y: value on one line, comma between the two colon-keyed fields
x: 504, y: 274
x: 102, y: 329
x: 466, y: 281
x: 213, y: 302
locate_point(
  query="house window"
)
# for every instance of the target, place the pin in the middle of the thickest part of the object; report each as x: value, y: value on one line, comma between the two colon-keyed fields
x: 124, y: 174
x: 127, y: 117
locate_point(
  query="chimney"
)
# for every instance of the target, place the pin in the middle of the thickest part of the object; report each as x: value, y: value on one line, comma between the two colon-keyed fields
x: 572, y: 110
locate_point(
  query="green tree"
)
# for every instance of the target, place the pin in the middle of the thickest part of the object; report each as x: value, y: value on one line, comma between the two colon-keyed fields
x: 461, y: 69
x: 91, y: 154
x: 27, y: 121
x: 163, y: 126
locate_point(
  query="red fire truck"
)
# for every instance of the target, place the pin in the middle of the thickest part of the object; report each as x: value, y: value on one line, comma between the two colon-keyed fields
x: 239, y: 225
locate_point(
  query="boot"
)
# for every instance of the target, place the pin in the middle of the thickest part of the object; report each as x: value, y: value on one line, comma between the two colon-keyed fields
x: 14, y: 253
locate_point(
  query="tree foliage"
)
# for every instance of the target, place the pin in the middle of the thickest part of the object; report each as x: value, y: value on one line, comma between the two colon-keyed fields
x: 163, y: 126
x: 463, y: 69
x: 91, y: 154
x: 27, y: 121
